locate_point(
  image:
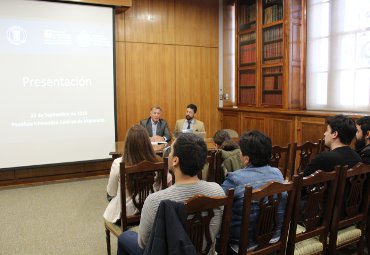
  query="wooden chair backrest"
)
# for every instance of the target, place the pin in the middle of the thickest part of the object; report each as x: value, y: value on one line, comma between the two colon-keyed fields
x: 142, y: 176
x: 304, y: 153
x: 269, y: 197
x: 200, y: 211
x: 352, y: 201
x: 313, y: 207
x: 215, y: 172
x: 280, y: 158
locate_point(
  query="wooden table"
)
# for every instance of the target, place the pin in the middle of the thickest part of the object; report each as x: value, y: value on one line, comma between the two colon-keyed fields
x: 117, y: 149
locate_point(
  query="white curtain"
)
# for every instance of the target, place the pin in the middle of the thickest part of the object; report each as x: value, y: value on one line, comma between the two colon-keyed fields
x: 338, y: 55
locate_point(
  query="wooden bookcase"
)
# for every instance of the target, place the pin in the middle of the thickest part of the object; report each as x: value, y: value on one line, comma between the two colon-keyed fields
x: 269, y: 54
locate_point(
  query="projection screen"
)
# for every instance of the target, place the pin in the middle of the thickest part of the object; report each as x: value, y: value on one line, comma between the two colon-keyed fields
x: 56, y: 83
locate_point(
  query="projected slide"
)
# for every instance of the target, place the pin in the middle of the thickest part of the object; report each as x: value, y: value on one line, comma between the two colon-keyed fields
x: 56, y: 83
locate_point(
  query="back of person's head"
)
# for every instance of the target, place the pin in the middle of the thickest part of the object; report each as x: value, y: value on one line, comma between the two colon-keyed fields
x: 344, y: 125
x: 364, y: 124
x: 221, y: 136
x: 229, y: 145
x: 257, y: 146
x: 193, y: 107
x: 192, y: 153
x: 138, y: 146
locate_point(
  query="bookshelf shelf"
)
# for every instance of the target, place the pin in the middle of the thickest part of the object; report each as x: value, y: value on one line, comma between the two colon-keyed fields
x: 269, y: 31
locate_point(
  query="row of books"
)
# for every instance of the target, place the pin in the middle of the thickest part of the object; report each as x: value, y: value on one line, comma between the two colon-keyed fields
x: 273, y: 33
x: 273, y: 50
x: 273, y: 13
x: 273, y: 82
x: 247, y: 79
x: 247, y: 96
x: 245, y: 38
x: 273, y: 70
x: 272, y: 99
x: 247, y: 54
x: 247, y: 13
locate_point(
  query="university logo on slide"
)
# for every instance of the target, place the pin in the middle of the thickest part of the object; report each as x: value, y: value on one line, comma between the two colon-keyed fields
x: 16, y: 35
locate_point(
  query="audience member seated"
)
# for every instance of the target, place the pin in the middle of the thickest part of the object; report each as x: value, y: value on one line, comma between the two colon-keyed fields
x: 230, y: 151
x: 187, y: 157
x: 156, y: 127
x: 339, y: 134
x: 256, y: 153
x: 189, y: 123
x: 363, y: 139
x: 137, y: 148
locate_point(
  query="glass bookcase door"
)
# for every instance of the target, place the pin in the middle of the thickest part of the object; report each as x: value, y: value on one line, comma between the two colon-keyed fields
x: 247, y: 87
x: 272, y: 86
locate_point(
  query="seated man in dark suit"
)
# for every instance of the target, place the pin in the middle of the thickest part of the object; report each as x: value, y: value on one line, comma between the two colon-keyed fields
x: 157, y: 127
x: 339, y: 134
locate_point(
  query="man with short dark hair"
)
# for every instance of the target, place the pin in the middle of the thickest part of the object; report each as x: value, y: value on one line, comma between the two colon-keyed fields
x: 187, y: 157
x: 256, y: 153
x: 362, y: 144
x: 189, y: 123
x: 340, y: 131
x: 156, y: 127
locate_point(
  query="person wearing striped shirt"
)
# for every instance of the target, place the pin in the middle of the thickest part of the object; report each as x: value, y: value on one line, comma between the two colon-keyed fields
x: 187, y: 157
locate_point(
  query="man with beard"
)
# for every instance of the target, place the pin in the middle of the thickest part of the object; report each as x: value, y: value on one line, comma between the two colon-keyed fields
x: 362, y: 144
x: 190, y: 123
x: 339, y: 134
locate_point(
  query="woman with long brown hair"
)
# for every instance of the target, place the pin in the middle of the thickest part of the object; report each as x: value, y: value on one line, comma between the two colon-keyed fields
x: 137, y: 148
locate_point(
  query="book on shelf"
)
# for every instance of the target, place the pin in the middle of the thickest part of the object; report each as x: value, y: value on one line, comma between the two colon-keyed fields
x: 273, y: 33
x: 273, y: 13
x: 247, y: 54
x: 247, y: 38
x: 273, y: 50
x: 247, y: 79
x: 247, y: 16
x: 272, y: 99
x: 247, y: 96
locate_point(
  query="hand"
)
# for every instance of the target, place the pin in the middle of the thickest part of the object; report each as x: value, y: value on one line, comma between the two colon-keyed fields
x: 157, y: 138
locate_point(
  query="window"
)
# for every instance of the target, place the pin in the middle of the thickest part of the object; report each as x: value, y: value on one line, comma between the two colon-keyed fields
x: 338, y: 55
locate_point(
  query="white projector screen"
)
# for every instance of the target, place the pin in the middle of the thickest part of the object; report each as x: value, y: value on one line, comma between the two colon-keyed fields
x: 56, y: 83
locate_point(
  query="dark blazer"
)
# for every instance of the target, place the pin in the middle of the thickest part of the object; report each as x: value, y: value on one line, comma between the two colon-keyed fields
x: 162, y: 128
x: 168, y: 235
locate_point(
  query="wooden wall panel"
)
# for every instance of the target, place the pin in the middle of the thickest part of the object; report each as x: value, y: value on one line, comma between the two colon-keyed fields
x: 231, y: 120
x: 121, y: 108
x: 228, y: 54
x: 252, y: 122
x: 310, y: 129
x: 196, y: 22
x: 197, y: 82
x: 119, y: 27
x: 150, y: 21
x: 150, y: 79
x: 281, y: 129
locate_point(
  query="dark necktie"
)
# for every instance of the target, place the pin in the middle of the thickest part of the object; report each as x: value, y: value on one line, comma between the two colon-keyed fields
x: 189, y: 121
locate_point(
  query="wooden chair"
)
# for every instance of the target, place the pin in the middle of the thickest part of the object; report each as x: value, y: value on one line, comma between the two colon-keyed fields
x: 142, y: 176
x: 216, y: 173
x: 350, y: 210
x: 304, y: 153
x: 200, y: 211
x: 268, y: 197
x: 209, y: 166
x: 281, y: 153
x: 313, y: 209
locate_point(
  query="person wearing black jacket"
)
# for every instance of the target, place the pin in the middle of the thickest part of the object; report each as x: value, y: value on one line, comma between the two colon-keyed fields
x: 362, y: 144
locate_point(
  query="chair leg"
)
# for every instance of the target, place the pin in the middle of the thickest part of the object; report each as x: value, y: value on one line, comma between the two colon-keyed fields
x: 107, y: 237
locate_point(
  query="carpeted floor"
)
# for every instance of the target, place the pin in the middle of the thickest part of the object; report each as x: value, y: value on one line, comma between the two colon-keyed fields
x: 59, y: 218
